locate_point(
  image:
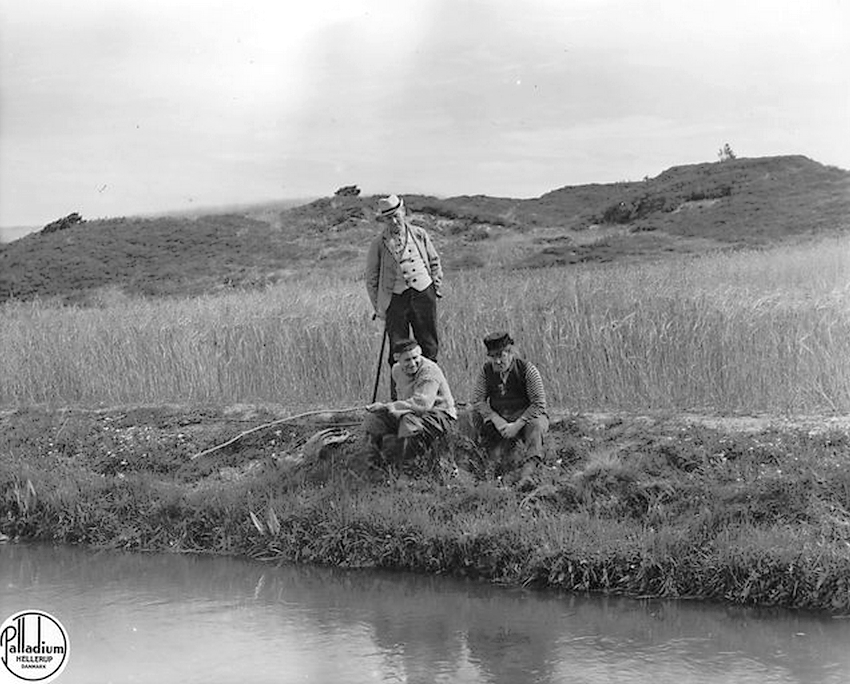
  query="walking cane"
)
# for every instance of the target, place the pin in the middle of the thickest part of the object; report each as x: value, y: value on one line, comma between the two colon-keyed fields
x: 380, y: 363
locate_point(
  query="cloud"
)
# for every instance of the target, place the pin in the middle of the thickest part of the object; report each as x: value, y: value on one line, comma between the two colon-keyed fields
x: 172, y: 101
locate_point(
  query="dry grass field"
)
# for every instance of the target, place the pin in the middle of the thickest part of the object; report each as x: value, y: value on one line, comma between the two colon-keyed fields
x: 749, y: 331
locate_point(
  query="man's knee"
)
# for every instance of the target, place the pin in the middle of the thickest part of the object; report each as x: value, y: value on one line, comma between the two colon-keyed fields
x: 376, y: 425
x: 536, y: 428
x: 533, y: 433
x: 410, y: 425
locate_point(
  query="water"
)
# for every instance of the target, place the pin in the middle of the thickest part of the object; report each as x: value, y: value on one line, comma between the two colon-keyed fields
x: 176, y: 618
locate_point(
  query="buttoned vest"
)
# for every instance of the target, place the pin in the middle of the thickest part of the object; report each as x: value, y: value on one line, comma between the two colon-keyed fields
x: 508, y: 397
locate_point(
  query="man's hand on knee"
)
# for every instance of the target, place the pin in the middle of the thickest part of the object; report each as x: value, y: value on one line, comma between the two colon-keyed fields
x: 498, y: 422
x: 511, y: 430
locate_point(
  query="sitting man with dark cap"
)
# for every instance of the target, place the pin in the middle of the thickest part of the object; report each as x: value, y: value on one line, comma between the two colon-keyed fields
x: 424, y: 409
x: 509, y: 406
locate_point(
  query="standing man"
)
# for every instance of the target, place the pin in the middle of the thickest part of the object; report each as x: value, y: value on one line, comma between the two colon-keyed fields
x: 403, y: 279
x: 509, y: 406
x: 425, y: 408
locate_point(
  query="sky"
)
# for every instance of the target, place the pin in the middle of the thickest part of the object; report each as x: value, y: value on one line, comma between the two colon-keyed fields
x: 124, y: 107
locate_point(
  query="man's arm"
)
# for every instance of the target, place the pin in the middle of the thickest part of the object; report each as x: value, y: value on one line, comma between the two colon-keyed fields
x: 418, y: 397
x: 372, y: 275
x: 536, y: 394
x: 479, y: 388
x: 479, y: 396
x: 423, y: 399
x: 435, y: 267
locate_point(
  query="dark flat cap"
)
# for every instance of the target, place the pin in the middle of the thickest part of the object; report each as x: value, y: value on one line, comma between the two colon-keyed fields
x: 496, y: 342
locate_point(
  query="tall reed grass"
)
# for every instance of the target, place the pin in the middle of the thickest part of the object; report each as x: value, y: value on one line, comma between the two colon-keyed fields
x: 749, y: 331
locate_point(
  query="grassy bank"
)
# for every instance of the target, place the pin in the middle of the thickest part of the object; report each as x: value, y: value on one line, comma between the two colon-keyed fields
x: 627, y: 505
x: 749, y: 331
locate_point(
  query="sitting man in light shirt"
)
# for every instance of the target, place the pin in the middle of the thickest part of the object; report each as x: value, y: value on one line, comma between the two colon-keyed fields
x: 424, y: 410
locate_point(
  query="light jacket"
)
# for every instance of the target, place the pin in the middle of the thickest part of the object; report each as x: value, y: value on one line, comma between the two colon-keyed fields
x: 427, y: 390
x: 381, y: 267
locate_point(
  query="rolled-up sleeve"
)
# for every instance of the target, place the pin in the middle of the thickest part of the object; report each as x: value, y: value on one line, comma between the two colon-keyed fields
x: 425, y: 392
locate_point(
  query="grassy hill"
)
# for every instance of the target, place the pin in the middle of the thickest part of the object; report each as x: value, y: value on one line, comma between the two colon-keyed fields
x: 686, y: 209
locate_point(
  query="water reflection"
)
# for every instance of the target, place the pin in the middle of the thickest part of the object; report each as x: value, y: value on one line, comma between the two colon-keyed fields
x: 169, y: 618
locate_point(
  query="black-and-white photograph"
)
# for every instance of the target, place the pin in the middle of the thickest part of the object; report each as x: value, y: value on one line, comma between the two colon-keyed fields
x: 435, y: 341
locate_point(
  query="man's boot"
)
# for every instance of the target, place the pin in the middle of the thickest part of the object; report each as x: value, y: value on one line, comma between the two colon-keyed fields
x: 391, y: 448
x: 376, y: 457
x: 409, y: 450
x: 526, y: 479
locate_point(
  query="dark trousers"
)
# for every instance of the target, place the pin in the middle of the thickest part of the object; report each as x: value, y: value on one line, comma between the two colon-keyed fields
x: 503, y: 450
x: 414, y: 310
x: 415, y: 432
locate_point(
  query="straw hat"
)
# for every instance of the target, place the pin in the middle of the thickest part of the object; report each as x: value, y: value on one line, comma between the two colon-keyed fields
x: 389, y: 205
